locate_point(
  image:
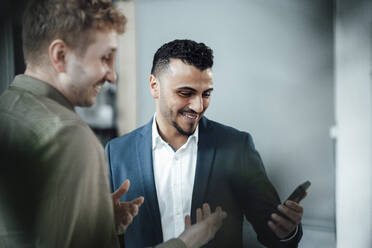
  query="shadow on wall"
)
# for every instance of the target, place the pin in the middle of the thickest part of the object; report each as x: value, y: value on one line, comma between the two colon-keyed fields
x: 11, y: 54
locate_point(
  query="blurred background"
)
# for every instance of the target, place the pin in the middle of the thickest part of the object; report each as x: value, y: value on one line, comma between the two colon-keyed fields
x: 296, y: 74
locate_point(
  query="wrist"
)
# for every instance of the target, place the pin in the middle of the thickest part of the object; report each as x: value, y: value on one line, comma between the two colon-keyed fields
x: 184, y: 239
x: 290, y: 236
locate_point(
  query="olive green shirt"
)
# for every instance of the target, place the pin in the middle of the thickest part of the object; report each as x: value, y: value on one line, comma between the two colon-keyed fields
x: 54, y: 189
x: 73, y: 204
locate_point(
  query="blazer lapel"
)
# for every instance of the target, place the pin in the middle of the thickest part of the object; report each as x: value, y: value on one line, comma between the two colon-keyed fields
x: 204, y: 163
x: 144, y: 155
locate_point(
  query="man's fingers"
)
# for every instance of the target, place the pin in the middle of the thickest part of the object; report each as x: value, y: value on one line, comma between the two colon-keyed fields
x: 218, y: 210
x: 292, y: 210
x: 121, y: 190
x: 286, y: 225
x: 187, y: 221
x: 199, y: 215
x: 279, y: 232
x: 294, y: 206
x: 130, y: 208
x: 134, y: 210
x: 138, y: 201
x: 125, y: 222
x: 292, y: 214
x: 125, y: 211
x: 281, y: 226
x: 221, y: 213
x: 128, y: 219
x: 206, y: 210
x: 123, y: 216
x: 205, y: 229
x: 215, y: 219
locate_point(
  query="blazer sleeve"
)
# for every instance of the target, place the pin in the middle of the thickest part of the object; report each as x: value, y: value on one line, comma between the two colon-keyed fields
x: 108, y: 158
x: 257, y: 196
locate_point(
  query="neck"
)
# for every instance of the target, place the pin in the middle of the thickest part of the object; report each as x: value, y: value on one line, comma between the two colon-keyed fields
x: 47, y: 77
x: 39, y: 74
x: 170, y: 134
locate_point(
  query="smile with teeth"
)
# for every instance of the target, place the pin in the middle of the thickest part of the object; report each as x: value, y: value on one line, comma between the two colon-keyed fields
x: 190, y: 116
x: 98, y: 87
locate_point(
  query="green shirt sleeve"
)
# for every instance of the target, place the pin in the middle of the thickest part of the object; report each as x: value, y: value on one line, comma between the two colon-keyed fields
x: 172, y: 243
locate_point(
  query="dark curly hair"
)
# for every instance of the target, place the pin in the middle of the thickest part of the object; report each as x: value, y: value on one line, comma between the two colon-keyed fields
x: 189, y: 51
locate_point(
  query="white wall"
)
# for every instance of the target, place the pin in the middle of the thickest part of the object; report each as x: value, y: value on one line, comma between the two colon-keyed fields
x: 126, y: 70
x: 273, y: 77
x: 353, y: 115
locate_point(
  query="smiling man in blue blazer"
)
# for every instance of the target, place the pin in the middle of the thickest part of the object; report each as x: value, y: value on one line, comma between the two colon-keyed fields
x: 180, y: 159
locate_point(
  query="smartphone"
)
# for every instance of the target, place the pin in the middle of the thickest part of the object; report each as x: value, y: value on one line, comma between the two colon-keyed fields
x: 299, y: 192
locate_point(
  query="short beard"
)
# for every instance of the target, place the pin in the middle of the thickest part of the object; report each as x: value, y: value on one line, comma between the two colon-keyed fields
x: 181, y: 131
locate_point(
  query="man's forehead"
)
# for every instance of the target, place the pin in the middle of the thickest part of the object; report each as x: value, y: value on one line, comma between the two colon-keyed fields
x: 176, y: 65
x: 200, y: 82
x: 104, y: 40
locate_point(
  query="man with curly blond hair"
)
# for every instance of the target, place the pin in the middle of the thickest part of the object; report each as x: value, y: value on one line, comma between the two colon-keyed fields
x: 54, y: 188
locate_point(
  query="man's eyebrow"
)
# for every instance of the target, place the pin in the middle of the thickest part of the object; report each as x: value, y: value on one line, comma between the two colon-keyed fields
x: 111, y: 49
x: 186, y: 88
x: 192, y: 89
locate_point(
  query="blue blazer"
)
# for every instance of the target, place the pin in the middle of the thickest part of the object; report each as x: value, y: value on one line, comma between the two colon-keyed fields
x: 229, y: 173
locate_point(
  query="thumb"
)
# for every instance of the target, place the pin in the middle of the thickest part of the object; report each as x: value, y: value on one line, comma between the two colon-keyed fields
x: 121, y: 190
x: 187, y: 221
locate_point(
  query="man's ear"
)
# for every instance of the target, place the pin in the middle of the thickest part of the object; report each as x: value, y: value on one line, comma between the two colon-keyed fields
x: 154, y: 86
x: 57, y: 55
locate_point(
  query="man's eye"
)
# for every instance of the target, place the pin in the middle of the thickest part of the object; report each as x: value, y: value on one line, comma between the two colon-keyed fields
x: 207, y: 94
x: 185, y: 94
x: 106, y: 59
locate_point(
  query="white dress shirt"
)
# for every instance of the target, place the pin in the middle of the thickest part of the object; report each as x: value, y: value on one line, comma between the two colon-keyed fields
x: 174, y: 173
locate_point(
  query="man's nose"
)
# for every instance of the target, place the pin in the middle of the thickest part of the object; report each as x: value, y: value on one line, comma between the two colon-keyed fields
x: 196, y: 104
x: 111, y: 74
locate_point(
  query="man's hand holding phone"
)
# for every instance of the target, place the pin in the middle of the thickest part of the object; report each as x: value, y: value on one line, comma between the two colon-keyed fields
x: 291, y: 212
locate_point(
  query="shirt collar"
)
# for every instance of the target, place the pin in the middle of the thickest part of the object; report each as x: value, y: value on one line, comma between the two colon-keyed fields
x: 40, y: 88
x: 157, y: 140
